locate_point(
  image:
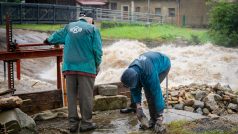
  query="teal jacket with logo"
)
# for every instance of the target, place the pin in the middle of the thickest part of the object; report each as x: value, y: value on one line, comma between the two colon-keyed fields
x: 82, y: 46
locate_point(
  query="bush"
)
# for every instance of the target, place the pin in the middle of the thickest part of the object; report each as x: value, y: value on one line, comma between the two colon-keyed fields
x: 224, y: 24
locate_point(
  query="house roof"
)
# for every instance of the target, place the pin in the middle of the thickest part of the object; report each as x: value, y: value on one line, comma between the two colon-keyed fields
x: 92, y: 2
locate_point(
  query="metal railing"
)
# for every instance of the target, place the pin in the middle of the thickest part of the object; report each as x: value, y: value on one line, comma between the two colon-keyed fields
x: 47, y: 13
x: 118, y: 15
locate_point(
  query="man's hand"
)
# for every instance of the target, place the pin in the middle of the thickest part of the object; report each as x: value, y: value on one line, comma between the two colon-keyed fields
x: 142, y: 118
x: 46, y: 41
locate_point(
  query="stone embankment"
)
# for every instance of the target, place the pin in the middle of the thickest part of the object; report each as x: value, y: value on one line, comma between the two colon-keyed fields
x: 207, y: 100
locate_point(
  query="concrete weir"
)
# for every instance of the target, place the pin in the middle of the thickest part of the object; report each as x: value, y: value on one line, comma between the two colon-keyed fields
x: 52, y: 99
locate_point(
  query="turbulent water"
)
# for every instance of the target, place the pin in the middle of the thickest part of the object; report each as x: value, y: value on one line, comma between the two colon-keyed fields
x: 204, y: 64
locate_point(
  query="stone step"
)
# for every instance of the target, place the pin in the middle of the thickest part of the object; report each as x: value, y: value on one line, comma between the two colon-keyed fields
x: 108, y: 90
x: 102, y: 103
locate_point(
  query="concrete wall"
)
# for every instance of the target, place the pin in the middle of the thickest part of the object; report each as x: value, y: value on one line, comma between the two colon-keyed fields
x: 195, y: 12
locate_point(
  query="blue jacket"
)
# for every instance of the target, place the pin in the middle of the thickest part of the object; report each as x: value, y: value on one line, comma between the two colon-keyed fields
x: 148, y: 66
x: 82, y: 46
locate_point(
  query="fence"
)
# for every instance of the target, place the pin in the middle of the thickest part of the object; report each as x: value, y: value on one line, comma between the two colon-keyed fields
x: 46, y: 13
x: 37, y: 13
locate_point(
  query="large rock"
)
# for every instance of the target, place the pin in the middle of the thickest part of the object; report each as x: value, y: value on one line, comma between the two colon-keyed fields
x: 198, y: 104
x: 179, y: 106
x: 233, y: 106
x: 235, y: 100
x: 188, y: 96
x: 25, y: 120
x: 210, y: 102
x: 205, y: 111
x: 188, y: 102
x: 102, y: 103
x: 108, y: 90
x: 15, y: 120
x: 200, y: 95
x: 174, y: 93
x: 217, y: 87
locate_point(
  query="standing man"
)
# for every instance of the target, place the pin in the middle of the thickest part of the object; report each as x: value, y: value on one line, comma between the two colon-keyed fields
x: 148, y: 71
x: 81, y: 60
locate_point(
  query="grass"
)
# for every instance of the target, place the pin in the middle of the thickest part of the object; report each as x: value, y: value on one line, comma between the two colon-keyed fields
x: 38, y: 27
x: 148, y: 33
x: 182, y: 127
x: 156, y: 33
x: 176, y: 127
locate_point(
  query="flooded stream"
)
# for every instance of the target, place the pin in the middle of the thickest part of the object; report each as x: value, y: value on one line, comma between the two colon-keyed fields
x: 203, y: 64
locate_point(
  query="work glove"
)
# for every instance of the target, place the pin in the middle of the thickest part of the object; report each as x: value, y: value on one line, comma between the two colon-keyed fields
x: 46, y: 41
x: 142, y: 118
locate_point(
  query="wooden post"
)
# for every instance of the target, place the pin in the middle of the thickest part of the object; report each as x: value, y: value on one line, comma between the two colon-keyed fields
x: 18, y: 64
x: 58, y: 59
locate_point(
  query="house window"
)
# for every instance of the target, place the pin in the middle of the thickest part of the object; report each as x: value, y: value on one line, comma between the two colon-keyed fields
x: 125, y: 8
x: 114, y: 6
x: 158, y: 11
x: 137, y: 9
x: 171, y: 12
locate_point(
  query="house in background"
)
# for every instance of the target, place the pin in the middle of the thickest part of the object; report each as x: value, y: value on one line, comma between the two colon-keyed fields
x: 192, y: 13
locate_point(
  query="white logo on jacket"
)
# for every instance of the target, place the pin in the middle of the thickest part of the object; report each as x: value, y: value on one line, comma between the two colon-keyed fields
x: 76, y: 29
x: 142, y: 57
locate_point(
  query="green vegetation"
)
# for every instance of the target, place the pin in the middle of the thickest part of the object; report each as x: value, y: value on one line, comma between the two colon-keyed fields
x: 177, y: 127
x: 156, y: 33
x: 224, y: 24
x: 185, y: 127
x: 135, y: 31
x: 38, y: 27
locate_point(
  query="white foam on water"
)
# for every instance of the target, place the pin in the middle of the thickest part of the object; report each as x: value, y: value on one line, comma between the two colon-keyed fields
x: 203, y: 64
x: 51, y: 73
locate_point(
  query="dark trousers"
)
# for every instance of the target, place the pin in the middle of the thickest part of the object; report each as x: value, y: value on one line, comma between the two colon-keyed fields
x: 151, y: 103
x: 82, y: 87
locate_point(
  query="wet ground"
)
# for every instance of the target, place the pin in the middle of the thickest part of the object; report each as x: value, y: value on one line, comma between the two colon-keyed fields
x: 115, y: 123
x: 107, y: 122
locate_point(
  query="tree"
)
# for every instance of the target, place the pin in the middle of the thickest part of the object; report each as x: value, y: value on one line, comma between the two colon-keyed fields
x: 224, y: 24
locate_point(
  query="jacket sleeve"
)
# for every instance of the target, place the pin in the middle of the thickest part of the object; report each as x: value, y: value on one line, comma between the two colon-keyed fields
x: 136, y: 94
x: 58, y: 37
x: 97, y: 47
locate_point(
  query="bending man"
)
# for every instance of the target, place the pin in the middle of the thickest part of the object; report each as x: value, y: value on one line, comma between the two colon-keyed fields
x: 148, y: 71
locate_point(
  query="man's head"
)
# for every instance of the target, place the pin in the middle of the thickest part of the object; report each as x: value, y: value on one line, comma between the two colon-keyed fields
x: 130, y: 78
x: 88, y: 16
